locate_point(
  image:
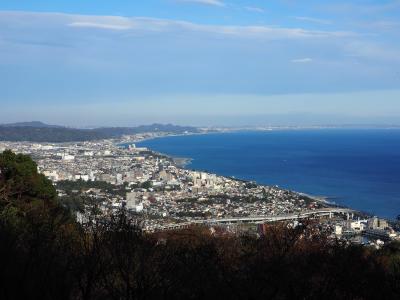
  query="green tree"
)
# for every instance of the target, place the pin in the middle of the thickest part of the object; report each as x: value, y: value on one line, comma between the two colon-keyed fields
x: 19, y: 179
x: 23, y: 191
x: 147, y: 185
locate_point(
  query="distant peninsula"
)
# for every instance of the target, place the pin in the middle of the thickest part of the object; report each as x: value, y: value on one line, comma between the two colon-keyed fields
x: 40, y: 132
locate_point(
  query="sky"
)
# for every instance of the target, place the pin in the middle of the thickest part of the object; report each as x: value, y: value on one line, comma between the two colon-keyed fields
x: 200, y: 62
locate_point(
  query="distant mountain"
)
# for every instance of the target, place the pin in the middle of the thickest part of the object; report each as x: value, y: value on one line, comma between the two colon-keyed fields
x: 46, y: 134
x: 40, y: 132
x: 36, y: 124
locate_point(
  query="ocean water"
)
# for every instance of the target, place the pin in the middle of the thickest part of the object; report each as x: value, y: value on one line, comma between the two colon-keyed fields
x: 354, y: 168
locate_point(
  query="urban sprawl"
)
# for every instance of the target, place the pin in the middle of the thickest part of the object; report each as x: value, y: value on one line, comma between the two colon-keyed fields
x: 109, y: 175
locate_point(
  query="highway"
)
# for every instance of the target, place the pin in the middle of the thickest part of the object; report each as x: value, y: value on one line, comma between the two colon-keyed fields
x: 318, y: 213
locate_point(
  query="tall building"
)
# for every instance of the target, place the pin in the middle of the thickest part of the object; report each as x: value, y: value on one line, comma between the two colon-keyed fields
x: 131, y: 199
x: 133, y: 202
x: 376, y: 223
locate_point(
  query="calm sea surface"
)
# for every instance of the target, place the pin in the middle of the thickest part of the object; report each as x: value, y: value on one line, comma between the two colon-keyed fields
x: 355, y: 168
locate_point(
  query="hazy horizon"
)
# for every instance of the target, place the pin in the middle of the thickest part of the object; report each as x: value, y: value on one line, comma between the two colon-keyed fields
x: 235, y: 122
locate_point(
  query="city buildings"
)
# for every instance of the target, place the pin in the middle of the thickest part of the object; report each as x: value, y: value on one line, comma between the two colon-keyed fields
x: 166, y: 194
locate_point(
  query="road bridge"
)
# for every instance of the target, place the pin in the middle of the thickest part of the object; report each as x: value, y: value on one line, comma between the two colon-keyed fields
x: 312, y: 214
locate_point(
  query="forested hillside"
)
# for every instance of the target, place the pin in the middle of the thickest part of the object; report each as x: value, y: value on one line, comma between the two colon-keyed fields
x: 39, y: 132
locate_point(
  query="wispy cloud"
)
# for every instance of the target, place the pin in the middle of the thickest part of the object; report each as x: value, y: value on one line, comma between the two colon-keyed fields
x: 302, y: 60
x: 100, y: 25
x: 160, y: 25
x: 205, y: 2
x: 136, y: 25
x: 109, y: 57
x: 130, y: 27
x: 314, y: 20
x: 254, y: 9
x: 251, y: 31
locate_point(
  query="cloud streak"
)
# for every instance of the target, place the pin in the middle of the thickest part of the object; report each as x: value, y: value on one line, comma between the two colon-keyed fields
x: 141, y: 24
x: 205, y: 2
x: 110, y: 57
x: 163, y: 25
x: 254, y: 9
x: 314, y: 20
x: 100, y: 25
x: 302, y: 60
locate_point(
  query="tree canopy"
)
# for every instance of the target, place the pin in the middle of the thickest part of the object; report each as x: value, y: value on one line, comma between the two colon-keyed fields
x: 19, y: 179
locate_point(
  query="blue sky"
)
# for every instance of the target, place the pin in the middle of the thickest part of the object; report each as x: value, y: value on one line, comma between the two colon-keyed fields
x: 200, y: 62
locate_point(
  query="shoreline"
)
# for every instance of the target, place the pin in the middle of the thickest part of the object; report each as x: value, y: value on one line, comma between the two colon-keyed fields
x: 319, y: 198
x: 183, y: 162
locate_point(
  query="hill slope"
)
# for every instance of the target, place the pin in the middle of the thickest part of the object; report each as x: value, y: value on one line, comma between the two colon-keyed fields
x: 40, y: 132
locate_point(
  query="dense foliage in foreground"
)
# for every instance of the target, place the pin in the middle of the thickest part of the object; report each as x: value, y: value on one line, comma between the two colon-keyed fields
x: 44, y: 254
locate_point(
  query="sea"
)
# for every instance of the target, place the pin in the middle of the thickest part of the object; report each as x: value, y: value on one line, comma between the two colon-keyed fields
x: 359, y: 168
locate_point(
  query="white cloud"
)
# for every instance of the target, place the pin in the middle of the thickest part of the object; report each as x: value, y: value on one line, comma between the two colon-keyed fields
x: 263, y: 32
x: 255, y: 9
x: 136, y: 25
x: 150, y: 24
x: 302, y: 60
x: 314, y: 20
x: 100, y: 25
x: 108, y: 57
x: 205, y: 2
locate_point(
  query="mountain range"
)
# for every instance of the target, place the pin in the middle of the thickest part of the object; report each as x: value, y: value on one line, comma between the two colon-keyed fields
x: 37, y: 131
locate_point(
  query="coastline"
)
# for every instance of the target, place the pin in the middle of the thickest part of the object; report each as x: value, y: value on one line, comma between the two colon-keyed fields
x: 318, y: 198
x: 183, y: 162
x: 347, y: 197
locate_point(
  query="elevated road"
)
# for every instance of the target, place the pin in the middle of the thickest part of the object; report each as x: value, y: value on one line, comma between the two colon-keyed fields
x: 312, y: 214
